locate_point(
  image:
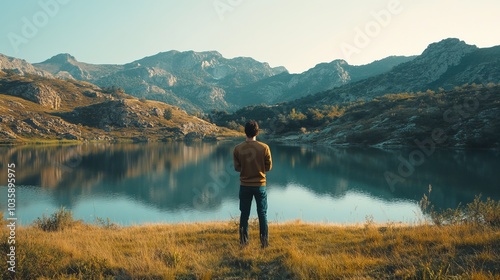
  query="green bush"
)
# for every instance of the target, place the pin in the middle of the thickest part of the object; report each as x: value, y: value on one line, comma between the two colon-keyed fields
x: 59, y: 220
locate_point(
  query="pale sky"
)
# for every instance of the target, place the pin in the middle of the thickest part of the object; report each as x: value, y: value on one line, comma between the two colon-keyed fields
x: 297, y: 34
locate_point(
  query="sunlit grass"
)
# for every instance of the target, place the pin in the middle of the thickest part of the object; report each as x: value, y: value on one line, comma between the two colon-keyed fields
x: 298, y: 251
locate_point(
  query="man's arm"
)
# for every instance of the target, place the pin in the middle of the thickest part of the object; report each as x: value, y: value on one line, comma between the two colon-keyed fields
x: 268, y: 160
x: 237, y: 165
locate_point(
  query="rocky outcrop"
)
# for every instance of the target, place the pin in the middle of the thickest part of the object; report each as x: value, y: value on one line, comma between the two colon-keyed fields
x: 38, y: 93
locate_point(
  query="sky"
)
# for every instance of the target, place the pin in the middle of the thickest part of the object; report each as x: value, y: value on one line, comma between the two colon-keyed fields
x: 296, y: 34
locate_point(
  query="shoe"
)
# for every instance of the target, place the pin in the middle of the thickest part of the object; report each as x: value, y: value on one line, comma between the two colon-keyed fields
x: 264, y: 242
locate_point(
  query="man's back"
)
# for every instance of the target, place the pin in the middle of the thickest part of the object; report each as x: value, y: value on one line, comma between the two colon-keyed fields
x: 252, y: 159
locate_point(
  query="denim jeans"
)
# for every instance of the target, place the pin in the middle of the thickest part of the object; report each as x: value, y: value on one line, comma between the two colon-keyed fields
x: 246, y: 196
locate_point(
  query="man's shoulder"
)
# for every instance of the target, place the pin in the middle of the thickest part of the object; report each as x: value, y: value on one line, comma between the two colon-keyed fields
x: 262, y: 144
x: 244, y: 144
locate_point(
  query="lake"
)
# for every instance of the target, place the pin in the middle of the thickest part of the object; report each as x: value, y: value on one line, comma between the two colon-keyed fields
x: 190, y: 182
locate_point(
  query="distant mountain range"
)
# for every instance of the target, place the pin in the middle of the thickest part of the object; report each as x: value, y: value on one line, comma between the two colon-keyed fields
x: 194, y: 81
x: 444, y: 64
x: 210, y: 85
x: 202, y: 81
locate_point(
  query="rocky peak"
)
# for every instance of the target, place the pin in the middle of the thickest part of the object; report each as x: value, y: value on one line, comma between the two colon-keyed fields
x: 20, y: 66
x: 438, y: 57
x: 434, y: 61
x: 62, y: 58
x: 65, y: 66
x: 453, y: 45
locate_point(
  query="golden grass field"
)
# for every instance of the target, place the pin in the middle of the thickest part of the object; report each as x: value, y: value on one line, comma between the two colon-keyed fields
x: 297, y: 251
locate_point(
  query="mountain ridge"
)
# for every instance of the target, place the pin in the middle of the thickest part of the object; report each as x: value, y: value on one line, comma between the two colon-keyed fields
x: 200, y: 81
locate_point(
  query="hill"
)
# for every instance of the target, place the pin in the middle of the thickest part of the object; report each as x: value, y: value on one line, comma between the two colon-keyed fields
x: 466, y: 116
x: 34, y: 108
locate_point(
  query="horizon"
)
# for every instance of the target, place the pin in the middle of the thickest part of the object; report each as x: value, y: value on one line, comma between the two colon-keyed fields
x: 119, y: 32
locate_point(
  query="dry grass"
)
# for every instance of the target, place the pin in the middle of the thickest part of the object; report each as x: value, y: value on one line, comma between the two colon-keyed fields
x: 297, y: 251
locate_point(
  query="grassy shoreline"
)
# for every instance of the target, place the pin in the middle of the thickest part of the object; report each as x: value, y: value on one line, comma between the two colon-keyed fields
x: 297, y: 250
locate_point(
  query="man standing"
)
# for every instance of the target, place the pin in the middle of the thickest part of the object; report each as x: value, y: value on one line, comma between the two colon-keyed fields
x: 252, y: 159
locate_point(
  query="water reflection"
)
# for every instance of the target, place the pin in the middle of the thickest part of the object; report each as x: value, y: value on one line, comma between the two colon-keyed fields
x: 135, y: 183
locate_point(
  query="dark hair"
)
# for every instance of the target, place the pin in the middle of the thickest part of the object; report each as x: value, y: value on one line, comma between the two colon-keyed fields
x: 251, y: 129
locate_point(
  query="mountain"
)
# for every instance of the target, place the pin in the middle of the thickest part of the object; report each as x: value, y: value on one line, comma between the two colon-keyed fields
x: 203, y: 81
x: 42, y: 109
x: 324, y: 76
x: 444, y: 64
x: 67, y: 67
x: 20, y: 66
x: 89, y: 100
x: 443, y: 67
x: 195, y: 81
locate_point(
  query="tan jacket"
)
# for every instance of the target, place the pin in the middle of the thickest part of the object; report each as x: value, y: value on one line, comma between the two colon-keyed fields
x: 252, y: 159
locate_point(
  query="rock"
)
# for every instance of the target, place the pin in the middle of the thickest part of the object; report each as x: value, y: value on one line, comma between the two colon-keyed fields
x: 157, y: 112
x: 38, y: 93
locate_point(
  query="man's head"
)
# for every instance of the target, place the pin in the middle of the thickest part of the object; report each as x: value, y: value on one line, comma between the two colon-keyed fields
x: 251, y: 129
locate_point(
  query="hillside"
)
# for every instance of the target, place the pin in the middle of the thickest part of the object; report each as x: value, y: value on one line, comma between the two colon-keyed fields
x: 33, y: 108
x: 467, y: 116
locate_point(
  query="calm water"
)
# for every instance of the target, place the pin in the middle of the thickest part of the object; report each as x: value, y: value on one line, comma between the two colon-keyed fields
x: 178, y: 182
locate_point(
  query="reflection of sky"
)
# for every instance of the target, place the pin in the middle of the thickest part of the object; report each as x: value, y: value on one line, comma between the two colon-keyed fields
x: 285, y: 204
x: 296, y: 202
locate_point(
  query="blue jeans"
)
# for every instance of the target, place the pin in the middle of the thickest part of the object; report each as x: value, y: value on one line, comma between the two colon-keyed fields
x: 246, y: 196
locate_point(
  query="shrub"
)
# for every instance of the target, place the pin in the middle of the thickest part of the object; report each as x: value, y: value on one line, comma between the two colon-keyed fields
x: 59, y: 220
x: 167, y: 114
x: 478, y: 212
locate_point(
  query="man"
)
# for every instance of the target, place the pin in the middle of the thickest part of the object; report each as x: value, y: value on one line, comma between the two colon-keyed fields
x: 252, y: 159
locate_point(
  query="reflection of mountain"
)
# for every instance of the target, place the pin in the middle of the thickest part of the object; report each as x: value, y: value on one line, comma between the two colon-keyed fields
x: 75, y: 170
x: 170, y: 176
x: 456, y: 175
